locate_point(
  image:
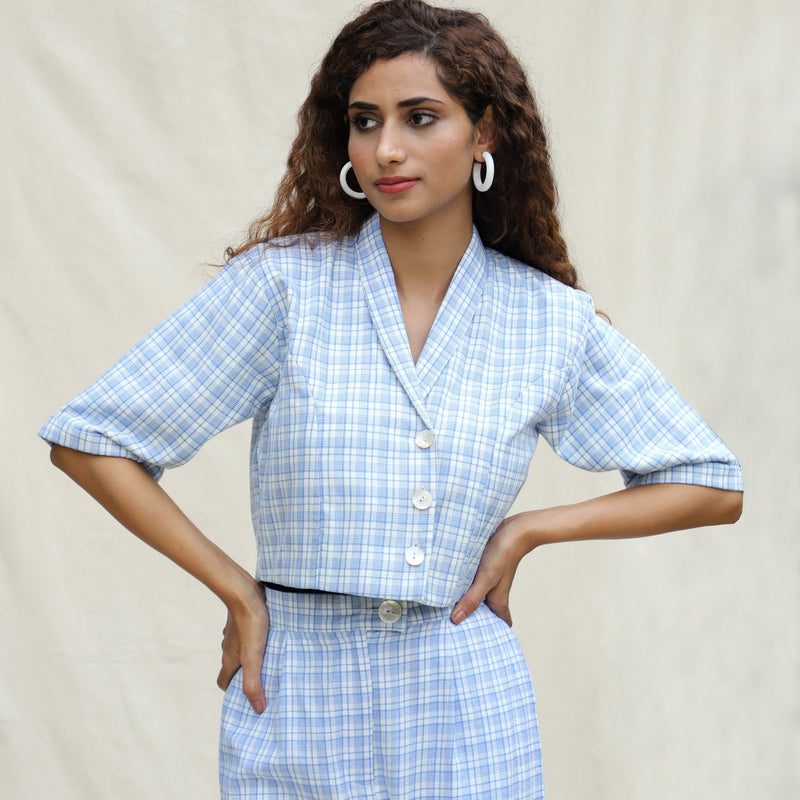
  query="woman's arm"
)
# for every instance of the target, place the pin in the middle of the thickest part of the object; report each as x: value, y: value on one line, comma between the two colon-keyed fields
x: 639, y: 511
x: 125, y: 489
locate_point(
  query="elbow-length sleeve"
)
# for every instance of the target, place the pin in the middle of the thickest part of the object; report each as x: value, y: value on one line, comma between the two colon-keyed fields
x: 211, y: 364
x: 618, y: 412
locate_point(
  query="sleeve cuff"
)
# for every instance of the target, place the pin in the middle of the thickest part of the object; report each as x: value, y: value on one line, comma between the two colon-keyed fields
x: 714, y: 474
x: 88, y: 441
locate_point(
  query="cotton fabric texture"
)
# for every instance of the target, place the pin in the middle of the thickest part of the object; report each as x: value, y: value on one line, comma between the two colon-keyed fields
x: 362, y: 709
x: 375, y: 477
x: 310, y: 342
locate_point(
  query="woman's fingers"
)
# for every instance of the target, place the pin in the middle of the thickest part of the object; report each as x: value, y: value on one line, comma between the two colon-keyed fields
x: 493, y: 579
x: 244, y: 642
x: 251, y: 682
x: 484, y: 587
x: 471, y: 599
x: 225, y: 677
x: 497, y: 600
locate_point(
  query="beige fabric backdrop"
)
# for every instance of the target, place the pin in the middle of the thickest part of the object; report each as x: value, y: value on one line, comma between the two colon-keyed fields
x: 139, y: 138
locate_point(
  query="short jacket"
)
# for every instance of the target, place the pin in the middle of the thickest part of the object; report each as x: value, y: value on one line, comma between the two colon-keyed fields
x: 372, y: 475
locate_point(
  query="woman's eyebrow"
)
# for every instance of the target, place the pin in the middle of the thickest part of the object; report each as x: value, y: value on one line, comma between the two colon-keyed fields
x: 418, y: 101
x: 412, y: 101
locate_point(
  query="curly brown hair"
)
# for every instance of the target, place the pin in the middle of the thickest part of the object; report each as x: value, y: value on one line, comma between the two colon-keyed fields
x: 517, y: 217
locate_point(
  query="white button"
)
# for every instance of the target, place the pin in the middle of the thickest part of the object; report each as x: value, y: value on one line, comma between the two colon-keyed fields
x: 424, y: 439
x: 415, y: 555
x: 390, y: 611
x: 422, y: 499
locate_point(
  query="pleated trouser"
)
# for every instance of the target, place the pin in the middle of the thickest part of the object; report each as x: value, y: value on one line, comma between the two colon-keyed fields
x: 362, y: 709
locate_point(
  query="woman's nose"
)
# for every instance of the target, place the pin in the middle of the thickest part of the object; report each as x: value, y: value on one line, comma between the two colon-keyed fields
x: 390, y: 145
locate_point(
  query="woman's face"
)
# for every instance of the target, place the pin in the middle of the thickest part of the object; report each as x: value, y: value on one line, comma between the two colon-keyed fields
x: 411, y: 144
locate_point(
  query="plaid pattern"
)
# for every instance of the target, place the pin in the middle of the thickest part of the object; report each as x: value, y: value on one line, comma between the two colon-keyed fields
x: 360, y: 709
x: 308, y: 340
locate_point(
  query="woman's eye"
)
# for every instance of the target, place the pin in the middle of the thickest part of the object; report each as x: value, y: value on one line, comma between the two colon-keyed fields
x: 422, y: 118
x: 363, y: 123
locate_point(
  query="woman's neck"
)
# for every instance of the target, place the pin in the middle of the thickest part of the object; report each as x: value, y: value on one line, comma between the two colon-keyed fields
x: 424, y: 255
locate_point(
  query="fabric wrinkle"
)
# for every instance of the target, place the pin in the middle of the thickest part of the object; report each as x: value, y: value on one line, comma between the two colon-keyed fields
x: 395, y: 711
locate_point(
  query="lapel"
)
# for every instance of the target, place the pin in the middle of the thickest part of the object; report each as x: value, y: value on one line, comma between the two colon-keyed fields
x: 449, y: 327
x: 455, y: 315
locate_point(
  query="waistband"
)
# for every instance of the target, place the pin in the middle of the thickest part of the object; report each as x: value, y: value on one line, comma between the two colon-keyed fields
x: 327, y: 612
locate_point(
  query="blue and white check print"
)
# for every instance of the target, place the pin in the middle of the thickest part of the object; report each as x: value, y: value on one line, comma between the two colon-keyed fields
x: 308, y: 340
x: 361, y: 709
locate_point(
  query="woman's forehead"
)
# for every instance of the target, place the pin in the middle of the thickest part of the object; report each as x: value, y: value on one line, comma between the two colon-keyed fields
x: 405, y: 76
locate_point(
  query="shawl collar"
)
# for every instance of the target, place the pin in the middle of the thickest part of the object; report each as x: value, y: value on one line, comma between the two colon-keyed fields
x: 449, y: 328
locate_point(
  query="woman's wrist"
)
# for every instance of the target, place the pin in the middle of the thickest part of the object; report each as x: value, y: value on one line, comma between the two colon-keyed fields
x: 240, y: 590
x: 532, y: 529
x: 525, y: 531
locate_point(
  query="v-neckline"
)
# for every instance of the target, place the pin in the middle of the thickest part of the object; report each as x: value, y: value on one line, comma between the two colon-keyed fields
x: 449, y: 325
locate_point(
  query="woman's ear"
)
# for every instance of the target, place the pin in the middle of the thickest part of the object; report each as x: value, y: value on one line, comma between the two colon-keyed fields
x: 484, y: 133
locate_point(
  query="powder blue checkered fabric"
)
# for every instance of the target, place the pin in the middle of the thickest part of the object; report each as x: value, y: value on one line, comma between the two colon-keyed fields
x: 360, y: 709
x: 310, y: 342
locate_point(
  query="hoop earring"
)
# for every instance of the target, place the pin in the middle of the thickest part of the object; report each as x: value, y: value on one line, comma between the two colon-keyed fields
x: 485, y: 184
x: 345, y: 188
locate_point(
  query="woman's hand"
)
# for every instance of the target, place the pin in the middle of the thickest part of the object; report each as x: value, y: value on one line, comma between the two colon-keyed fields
x: 639, y: 511
x: 495, y: 574
x: 244, y: 640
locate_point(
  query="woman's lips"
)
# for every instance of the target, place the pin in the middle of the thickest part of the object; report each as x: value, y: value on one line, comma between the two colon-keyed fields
x: 395, y: 185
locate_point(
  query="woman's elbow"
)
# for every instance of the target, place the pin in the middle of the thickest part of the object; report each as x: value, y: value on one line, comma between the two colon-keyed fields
x: 730, y: 510
x: 57, y: 455
x: 65, y: 457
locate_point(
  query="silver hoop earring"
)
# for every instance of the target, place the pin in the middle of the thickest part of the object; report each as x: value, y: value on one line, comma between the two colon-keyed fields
x: 345, y: 188
x: 486, y: 183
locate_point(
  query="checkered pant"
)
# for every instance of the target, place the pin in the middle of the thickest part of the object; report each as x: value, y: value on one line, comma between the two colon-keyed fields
x: 362, y: 709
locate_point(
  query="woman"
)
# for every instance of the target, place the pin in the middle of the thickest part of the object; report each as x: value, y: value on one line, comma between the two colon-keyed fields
x: 401, y: 327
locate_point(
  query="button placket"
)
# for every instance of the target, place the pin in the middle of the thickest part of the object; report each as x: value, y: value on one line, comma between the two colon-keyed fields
x: 422, y: 498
